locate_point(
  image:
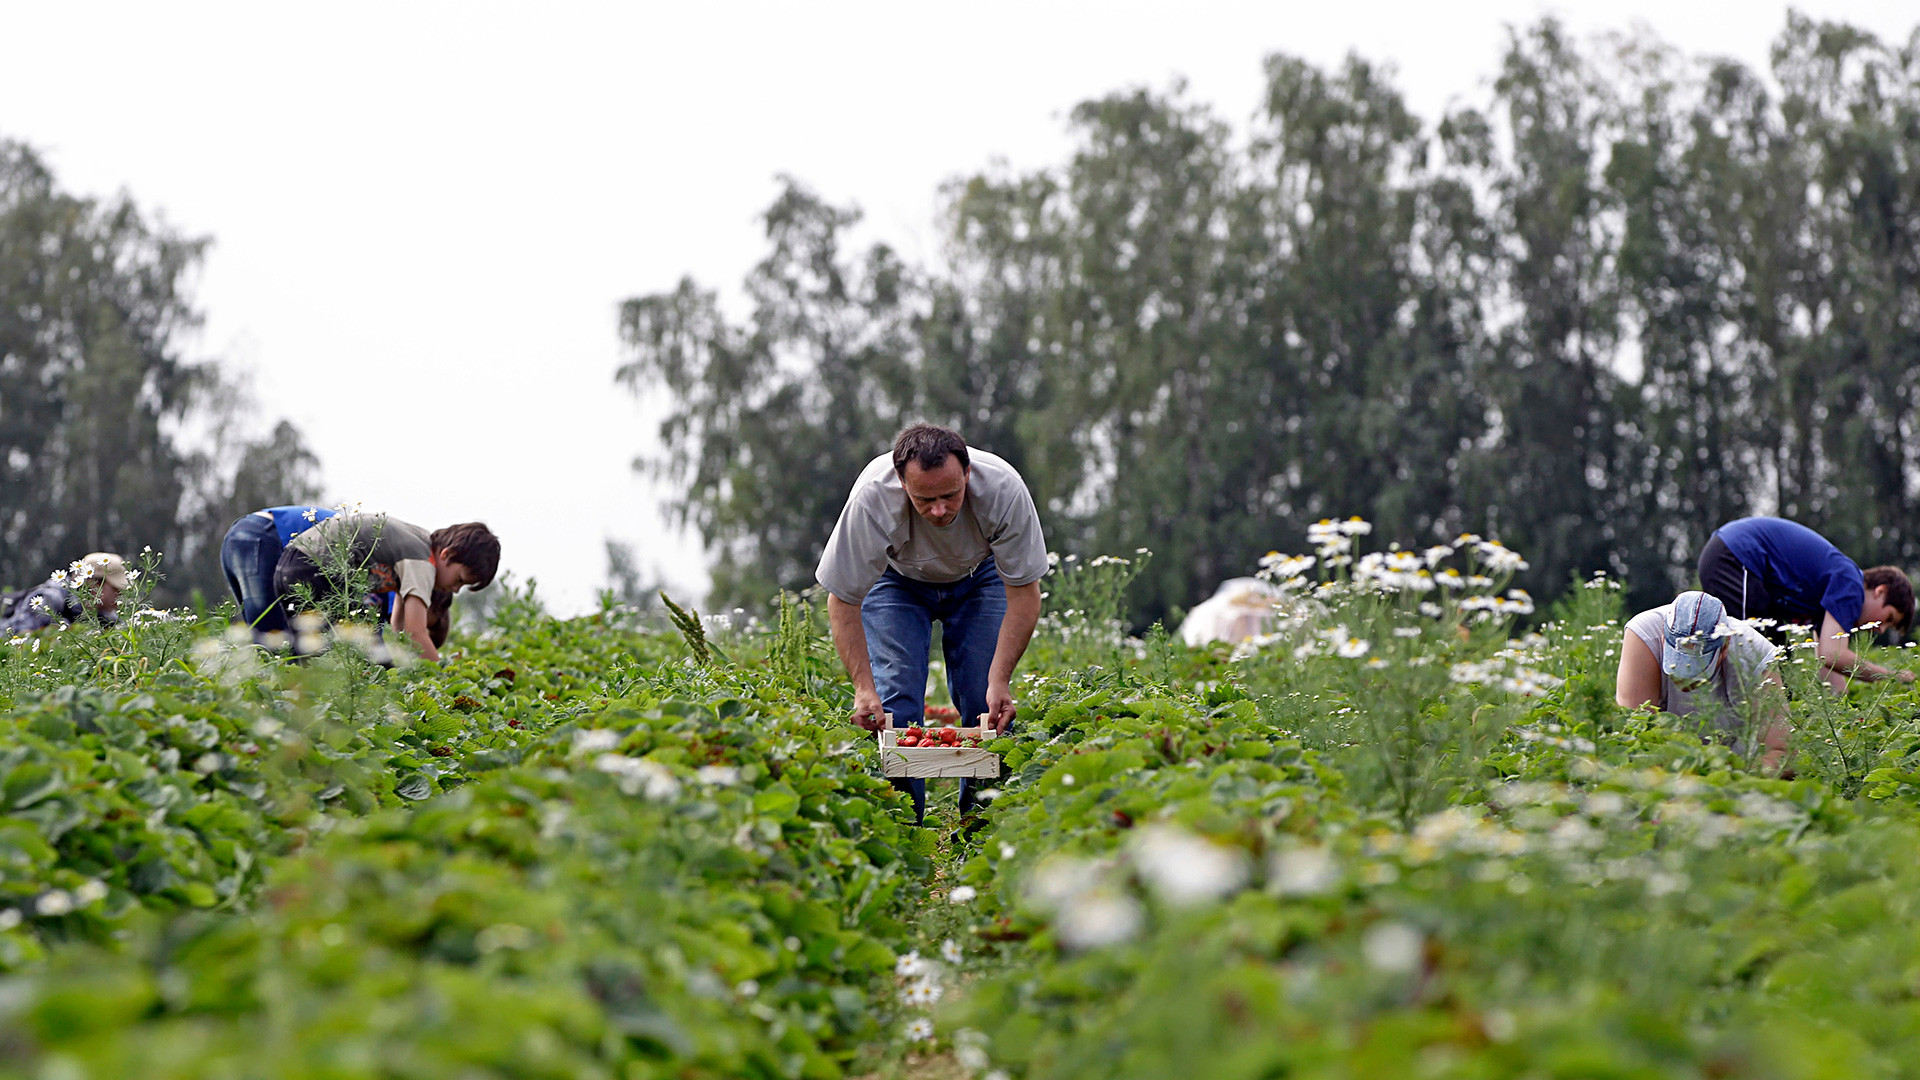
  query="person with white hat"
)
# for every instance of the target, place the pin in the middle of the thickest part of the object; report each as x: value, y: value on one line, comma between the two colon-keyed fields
x: 1690, y: 657
x: 101, y: 576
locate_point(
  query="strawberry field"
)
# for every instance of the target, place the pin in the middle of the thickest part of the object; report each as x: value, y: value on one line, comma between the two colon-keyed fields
x: 1403, y: 833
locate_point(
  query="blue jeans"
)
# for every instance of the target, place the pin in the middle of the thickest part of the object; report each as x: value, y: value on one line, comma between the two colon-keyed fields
x: 248, y: 556
x: 898, y: 616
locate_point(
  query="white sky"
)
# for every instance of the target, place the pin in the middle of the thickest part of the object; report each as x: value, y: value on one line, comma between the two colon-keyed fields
x: 425, y: 215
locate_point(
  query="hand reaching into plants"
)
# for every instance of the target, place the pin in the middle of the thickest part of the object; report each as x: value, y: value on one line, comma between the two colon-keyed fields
x: 1000, y: 707
x: 867, y: 712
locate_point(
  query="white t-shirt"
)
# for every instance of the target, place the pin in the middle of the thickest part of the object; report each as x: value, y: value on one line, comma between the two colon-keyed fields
x: 1740, y: 670
x: 879, y: 529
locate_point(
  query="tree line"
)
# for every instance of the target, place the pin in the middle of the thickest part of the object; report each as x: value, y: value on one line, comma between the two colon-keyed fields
x: 111, y: 439
x: 1623, y: 297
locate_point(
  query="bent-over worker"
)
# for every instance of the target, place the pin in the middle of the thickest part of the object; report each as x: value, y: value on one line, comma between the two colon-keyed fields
x: 931, y: 533
x: 1772, y: 568
x: 1690, y: 657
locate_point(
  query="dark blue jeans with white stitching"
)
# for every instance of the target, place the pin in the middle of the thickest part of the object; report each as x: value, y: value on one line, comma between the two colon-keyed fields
x: 898, y: 616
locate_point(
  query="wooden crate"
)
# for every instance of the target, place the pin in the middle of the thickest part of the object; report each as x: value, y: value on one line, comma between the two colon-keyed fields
x: 936, y: 761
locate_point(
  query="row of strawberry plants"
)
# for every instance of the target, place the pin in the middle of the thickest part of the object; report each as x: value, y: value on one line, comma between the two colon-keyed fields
x: 563, y: 853
x: 1186, y: 882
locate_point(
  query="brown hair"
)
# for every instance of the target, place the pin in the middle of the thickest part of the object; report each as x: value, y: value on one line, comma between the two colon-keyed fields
x: 1899, y: 592
x: 473, y: 546
x: 930, y: 446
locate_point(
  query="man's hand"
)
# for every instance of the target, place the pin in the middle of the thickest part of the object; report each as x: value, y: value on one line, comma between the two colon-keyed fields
x: 867, y: 711
x: 1903, y: 675
x: 1000, y: 707
x: 1016, y: 629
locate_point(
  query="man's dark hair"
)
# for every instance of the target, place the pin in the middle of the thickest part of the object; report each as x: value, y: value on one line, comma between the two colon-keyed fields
x: 473, y: 546
x: 929, y: 445
x: 1899, y: 592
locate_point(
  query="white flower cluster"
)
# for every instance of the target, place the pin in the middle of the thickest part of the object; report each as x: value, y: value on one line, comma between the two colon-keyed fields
x: 638, y: 776
x: 1394, y: 571
x: 1506, y: 671
x: 1335, y: 538
x: 1555, y: 735
x: 1572, y: 841
x: 1184, y: 868
x: 1286, y: 571
x: 1492, y: 554
x: 595, y: 740
x: 921, y: 987
x: 1303, y: 871
x: 1516, y: 602
x: 1090, y: 908
x: 1090, y: 904
x: 1338, y: 641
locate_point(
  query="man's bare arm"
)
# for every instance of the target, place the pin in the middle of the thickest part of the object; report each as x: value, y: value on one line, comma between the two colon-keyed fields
x: 412, y: 622
x: 1637, y: 682
x: 850, y: 641
x: 1770, y: 716
x: 1836, y: 656
x: 1016, y: 631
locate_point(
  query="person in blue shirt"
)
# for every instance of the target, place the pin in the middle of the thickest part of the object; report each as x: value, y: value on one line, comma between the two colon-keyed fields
x: 251, y: 551
x: 1769, y: 568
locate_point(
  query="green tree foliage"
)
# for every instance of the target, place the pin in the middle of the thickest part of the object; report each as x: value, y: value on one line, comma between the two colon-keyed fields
x: 95, y: 394
x: 771, y: 421
x: 1621, y: 299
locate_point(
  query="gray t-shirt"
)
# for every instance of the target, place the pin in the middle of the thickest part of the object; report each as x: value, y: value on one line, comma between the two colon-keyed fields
x: 1748, y: 655
x: 399, y: 554
x: 879, y: 529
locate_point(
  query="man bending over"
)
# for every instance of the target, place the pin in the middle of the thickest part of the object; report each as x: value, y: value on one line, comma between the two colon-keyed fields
x: 1772, y: 568
x: 405, y: 565
x: 934, y: 533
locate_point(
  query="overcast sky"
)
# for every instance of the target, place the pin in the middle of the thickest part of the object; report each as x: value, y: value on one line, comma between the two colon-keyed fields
x: 425, y: 215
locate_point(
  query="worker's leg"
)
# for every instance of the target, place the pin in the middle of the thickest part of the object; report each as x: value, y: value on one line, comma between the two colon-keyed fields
x: 897, y: 617
x: 969, y: 634
x: 294, y: 574
x: 249, y: 555
x: 1739, y: 589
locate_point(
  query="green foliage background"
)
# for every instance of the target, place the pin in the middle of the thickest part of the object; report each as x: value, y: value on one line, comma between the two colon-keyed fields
x: 110, y: 438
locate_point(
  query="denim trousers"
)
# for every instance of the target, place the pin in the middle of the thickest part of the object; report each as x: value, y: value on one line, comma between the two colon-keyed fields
x: 898, y: 616
x: 248, y: 556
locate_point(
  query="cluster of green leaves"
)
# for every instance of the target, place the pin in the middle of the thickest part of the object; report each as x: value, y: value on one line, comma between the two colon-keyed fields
x: 575, y: 849
x: 1593, y: 892
x: 563, y: 852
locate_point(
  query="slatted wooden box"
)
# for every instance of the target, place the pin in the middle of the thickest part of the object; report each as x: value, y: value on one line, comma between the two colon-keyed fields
x: 928, y: 762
